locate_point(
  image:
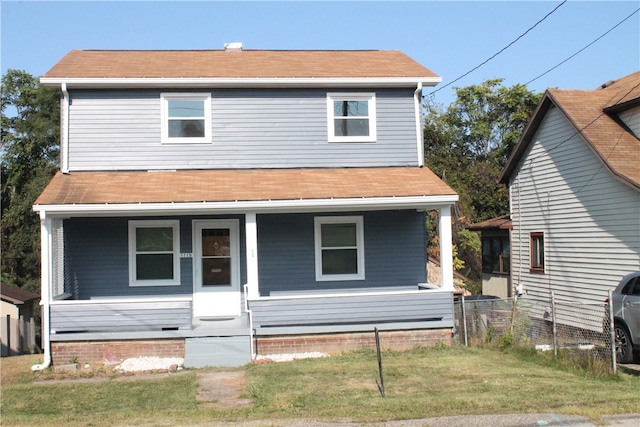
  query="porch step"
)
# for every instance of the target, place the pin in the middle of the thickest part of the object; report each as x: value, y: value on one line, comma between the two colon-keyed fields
x: 217, y: 351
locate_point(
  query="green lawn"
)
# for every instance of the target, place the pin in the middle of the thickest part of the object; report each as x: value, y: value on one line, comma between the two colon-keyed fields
x: 438, y: 381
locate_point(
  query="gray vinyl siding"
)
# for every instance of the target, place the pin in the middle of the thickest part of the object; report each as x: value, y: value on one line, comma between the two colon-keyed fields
x: 356, y: 312
x: 262, y: 128
x: 590, y: 220
x: 97, y: 259
x: 394, y: 248
x: 631, y: 118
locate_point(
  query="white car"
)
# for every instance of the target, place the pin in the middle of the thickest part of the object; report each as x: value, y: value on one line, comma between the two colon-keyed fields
x: 626, y: 315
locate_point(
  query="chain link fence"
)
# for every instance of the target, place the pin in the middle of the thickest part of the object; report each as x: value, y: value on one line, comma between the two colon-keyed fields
x: 580, y: 333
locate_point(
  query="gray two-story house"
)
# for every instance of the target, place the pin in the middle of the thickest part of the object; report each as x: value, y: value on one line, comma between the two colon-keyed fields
x: 219, y: 204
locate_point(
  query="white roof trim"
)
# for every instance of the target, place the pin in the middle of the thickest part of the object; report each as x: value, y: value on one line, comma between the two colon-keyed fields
x: 260, y: 206
x: 213, y: 82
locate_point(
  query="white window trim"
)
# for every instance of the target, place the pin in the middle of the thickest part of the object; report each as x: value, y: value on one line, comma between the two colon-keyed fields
x: 133, y: 225
x: 355, y: 96
x: 358, y: 221
x: 192, y: 96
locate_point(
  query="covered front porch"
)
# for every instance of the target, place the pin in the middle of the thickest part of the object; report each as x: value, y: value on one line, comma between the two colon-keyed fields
x: 271, y: 277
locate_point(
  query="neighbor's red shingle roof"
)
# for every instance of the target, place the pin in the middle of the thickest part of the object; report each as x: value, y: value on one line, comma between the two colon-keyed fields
x: 240, y: 64
x: 593, y: 113
x: 240, y: 185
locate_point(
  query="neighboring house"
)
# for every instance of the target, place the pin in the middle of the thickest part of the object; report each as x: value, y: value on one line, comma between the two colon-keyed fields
x: 496, y: 255
x: 218, y: 204
x: 574, y: 185
x: 16, y: 326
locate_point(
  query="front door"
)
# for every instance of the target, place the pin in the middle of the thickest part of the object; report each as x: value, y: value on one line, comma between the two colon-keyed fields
x: 216, y: 262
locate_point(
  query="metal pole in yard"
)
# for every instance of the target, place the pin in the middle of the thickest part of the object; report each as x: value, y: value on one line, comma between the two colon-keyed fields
x: 553, y: 319
x: 381, y: 383
x: 612, y: 334
x: 464, y: 322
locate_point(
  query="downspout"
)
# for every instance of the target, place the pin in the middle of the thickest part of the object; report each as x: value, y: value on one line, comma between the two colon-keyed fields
x: 418, y: 108
x: 64, y: 143
x: 45, y: 272
x: 248, y: 310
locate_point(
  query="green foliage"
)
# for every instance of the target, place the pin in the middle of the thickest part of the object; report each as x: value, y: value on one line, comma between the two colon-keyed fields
x: 30, y: 132
x: 468, y: 144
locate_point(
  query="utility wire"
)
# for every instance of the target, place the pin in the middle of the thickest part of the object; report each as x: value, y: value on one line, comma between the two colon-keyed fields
x: 500, y: 51
x: 607, y: 32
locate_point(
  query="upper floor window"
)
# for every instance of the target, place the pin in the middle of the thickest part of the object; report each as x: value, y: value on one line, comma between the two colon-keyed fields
x: 154, y: 257
x: 496, y: 255
x: 351, y: 117
x: 339, y: 243
x: 537, y: 252
x: 186, y: 117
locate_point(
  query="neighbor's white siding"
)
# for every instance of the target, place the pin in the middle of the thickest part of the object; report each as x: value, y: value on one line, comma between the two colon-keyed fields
x: 590, y: 220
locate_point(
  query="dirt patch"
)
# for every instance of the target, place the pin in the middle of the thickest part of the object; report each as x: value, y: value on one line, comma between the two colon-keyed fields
x: 222, y: 390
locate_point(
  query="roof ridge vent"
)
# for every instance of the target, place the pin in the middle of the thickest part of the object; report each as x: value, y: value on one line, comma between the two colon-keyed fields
x: 233, y: 46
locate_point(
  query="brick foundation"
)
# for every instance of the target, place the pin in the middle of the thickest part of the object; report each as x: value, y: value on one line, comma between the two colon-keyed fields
x: 100, y: 351
x: 339, y: 342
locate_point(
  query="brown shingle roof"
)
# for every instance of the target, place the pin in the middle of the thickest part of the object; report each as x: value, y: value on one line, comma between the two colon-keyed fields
x: 16, y: 296
x: 240, y: 185
x: 592, y: 114
x: 502, y: 222
x: 239, y: 64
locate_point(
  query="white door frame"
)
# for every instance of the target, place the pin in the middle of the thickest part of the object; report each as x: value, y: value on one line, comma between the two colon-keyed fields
x: 214, y: 301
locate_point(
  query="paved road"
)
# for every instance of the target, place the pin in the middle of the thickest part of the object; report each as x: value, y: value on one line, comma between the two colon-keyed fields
x: 515, y: 420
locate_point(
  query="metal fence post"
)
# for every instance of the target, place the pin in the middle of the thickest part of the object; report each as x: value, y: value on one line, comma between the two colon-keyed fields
x: 612, y: 332
x: 553, y: 319
x: 464, y: 322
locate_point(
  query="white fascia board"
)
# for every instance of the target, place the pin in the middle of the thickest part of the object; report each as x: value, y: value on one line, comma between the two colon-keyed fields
x: 261, y: 206
x: 230, y: 82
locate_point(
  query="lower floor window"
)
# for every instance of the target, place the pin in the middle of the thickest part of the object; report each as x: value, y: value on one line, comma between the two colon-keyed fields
x: 339, y: 248
x: 495, y: 255
x: 154, y: 257
x: 537, y: 252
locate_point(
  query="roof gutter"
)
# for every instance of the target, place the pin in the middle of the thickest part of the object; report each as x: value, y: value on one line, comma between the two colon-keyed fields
x: 236, y: 82
x: 260, y: 206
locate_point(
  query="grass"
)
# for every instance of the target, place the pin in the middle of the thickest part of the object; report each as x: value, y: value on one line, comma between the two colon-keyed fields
x: 427, y: 382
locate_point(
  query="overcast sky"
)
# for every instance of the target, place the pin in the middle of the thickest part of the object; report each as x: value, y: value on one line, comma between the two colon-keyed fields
x: 448, y: 37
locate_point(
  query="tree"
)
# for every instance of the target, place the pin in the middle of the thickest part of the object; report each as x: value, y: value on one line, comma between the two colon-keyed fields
x: 467, y: 145
x: 30, y: 132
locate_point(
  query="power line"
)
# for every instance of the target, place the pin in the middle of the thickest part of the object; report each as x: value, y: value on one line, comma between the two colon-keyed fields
x: 607, y: 32
x: 500, y: 51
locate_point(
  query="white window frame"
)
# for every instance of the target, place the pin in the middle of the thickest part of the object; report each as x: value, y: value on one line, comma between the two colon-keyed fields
x: 359, y: 222
x: 370, y: 97
x: 205, y: 98
x: 133, y: 226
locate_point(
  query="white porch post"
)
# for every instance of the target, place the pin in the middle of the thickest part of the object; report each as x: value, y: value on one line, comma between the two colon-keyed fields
x: 251, y: 235
x: 45, y: 286
x: 446, y: 256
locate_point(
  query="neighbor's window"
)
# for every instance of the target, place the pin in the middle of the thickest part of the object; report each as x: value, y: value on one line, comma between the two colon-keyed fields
x: 351, y: 117
x: 186, y: 118
x: 339, y: 243
x: 154, y: 257
x: 537, y: 252
x: 496, y: 255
